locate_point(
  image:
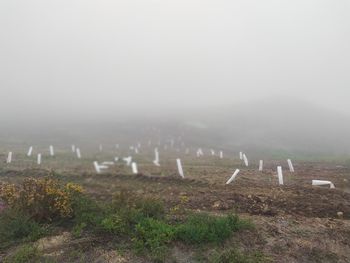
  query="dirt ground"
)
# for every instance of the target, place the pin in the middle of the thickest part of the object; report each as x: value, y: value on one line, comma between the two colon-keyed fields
x: 294, y: 222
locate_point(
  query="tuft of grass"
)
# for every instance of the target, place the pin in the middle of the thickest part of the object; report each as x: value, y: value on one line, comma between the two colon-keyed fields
x: 153, y: 236
x: 204, y: 228
x: 16, y: 226
x: 24, y: 254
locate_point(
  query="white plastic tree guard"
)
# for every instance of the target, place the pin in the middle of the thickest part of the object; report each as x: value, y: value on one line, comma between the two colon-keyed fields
x: 73, y: 148
x: 212, y: 152
x: 245, y: 160
x: 78, y: 153
x: 233, y: 176
x: 134, y: 168
x: 9, y: 158
x: 97, y: 167
x: 240, y: 155
x: 261, y: 165
x: 127, y: 160
x: 179, y: 168
x: 136, y: 150
x: 322, y: 182
x: 116, y: 159
x: 221, y: 155
x: 200, y: 151
x: 30, y: 151
x: 39, y: 159
x: 280, y: 175
x: 291, y: 167
x: 52, y: 153
x: 156, y: 157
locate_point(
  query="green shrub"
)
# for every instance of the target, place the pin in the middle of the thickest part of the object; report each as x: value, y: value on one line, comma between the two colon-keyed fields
x: 24, y: 254
x: 204, y: 228
x: 87, y: 211
x: 16, y: 226
x: 153, y: 236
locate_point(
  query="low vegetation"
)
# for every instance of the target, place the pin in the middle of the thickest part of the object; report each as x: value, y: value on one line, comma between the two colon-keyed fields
x: 34, y: 207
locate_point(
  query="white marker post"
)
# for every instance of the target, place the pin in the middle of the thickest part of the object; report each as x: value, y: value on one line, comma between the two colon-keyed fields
x: 280, y: 175
x: 52, y: 153
x: 179, y: 168
x: 30, y: 151
x: 221, y: 155
x: 290, y: 164
x: 78, y: 153
x: 9, y: 158
x: 245, y: 160
x: 322, y: 182
x: 233, y: 176
x: 134, y: 168
x: 39, y: 159
x: 261, y: 165
x: 73, y: 148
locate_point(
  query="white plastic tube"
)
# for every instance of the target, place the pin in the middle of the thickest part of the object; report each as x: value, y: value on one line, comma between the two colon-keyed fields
x: 39, y: 159
x: 233, y: 177
x: 261, y: 165
x: 156, y: 157
x: 291, y: 167
x: 52, y: 153
x: 78, y: 153
x: 322, y: 182
x: 9, y: 158
x: 179, y: 168
x: 30, y: 151
x: 245, y: 160
x: 97, y: 167
x: 134, y: 168
x: 280, y: 175
x: 127, y: 160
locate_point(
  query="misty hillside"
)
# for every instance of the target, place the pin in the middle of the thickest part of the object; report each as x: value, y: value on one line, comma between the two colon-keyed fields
x: 295, y: 126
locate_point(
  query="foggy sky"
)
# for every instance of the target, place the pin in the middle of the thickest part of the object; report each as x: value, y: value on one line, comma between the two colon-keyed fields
x: 81, y: 57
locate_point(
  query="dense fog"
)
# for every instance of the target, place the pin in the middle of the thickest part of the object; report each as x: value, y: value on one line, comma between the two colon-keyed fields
x: 264, y: 74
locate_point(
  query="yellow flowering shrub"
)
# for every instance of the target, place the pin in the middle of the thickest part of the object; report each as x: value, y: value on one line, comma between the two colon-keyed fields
x: 43, y: 199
